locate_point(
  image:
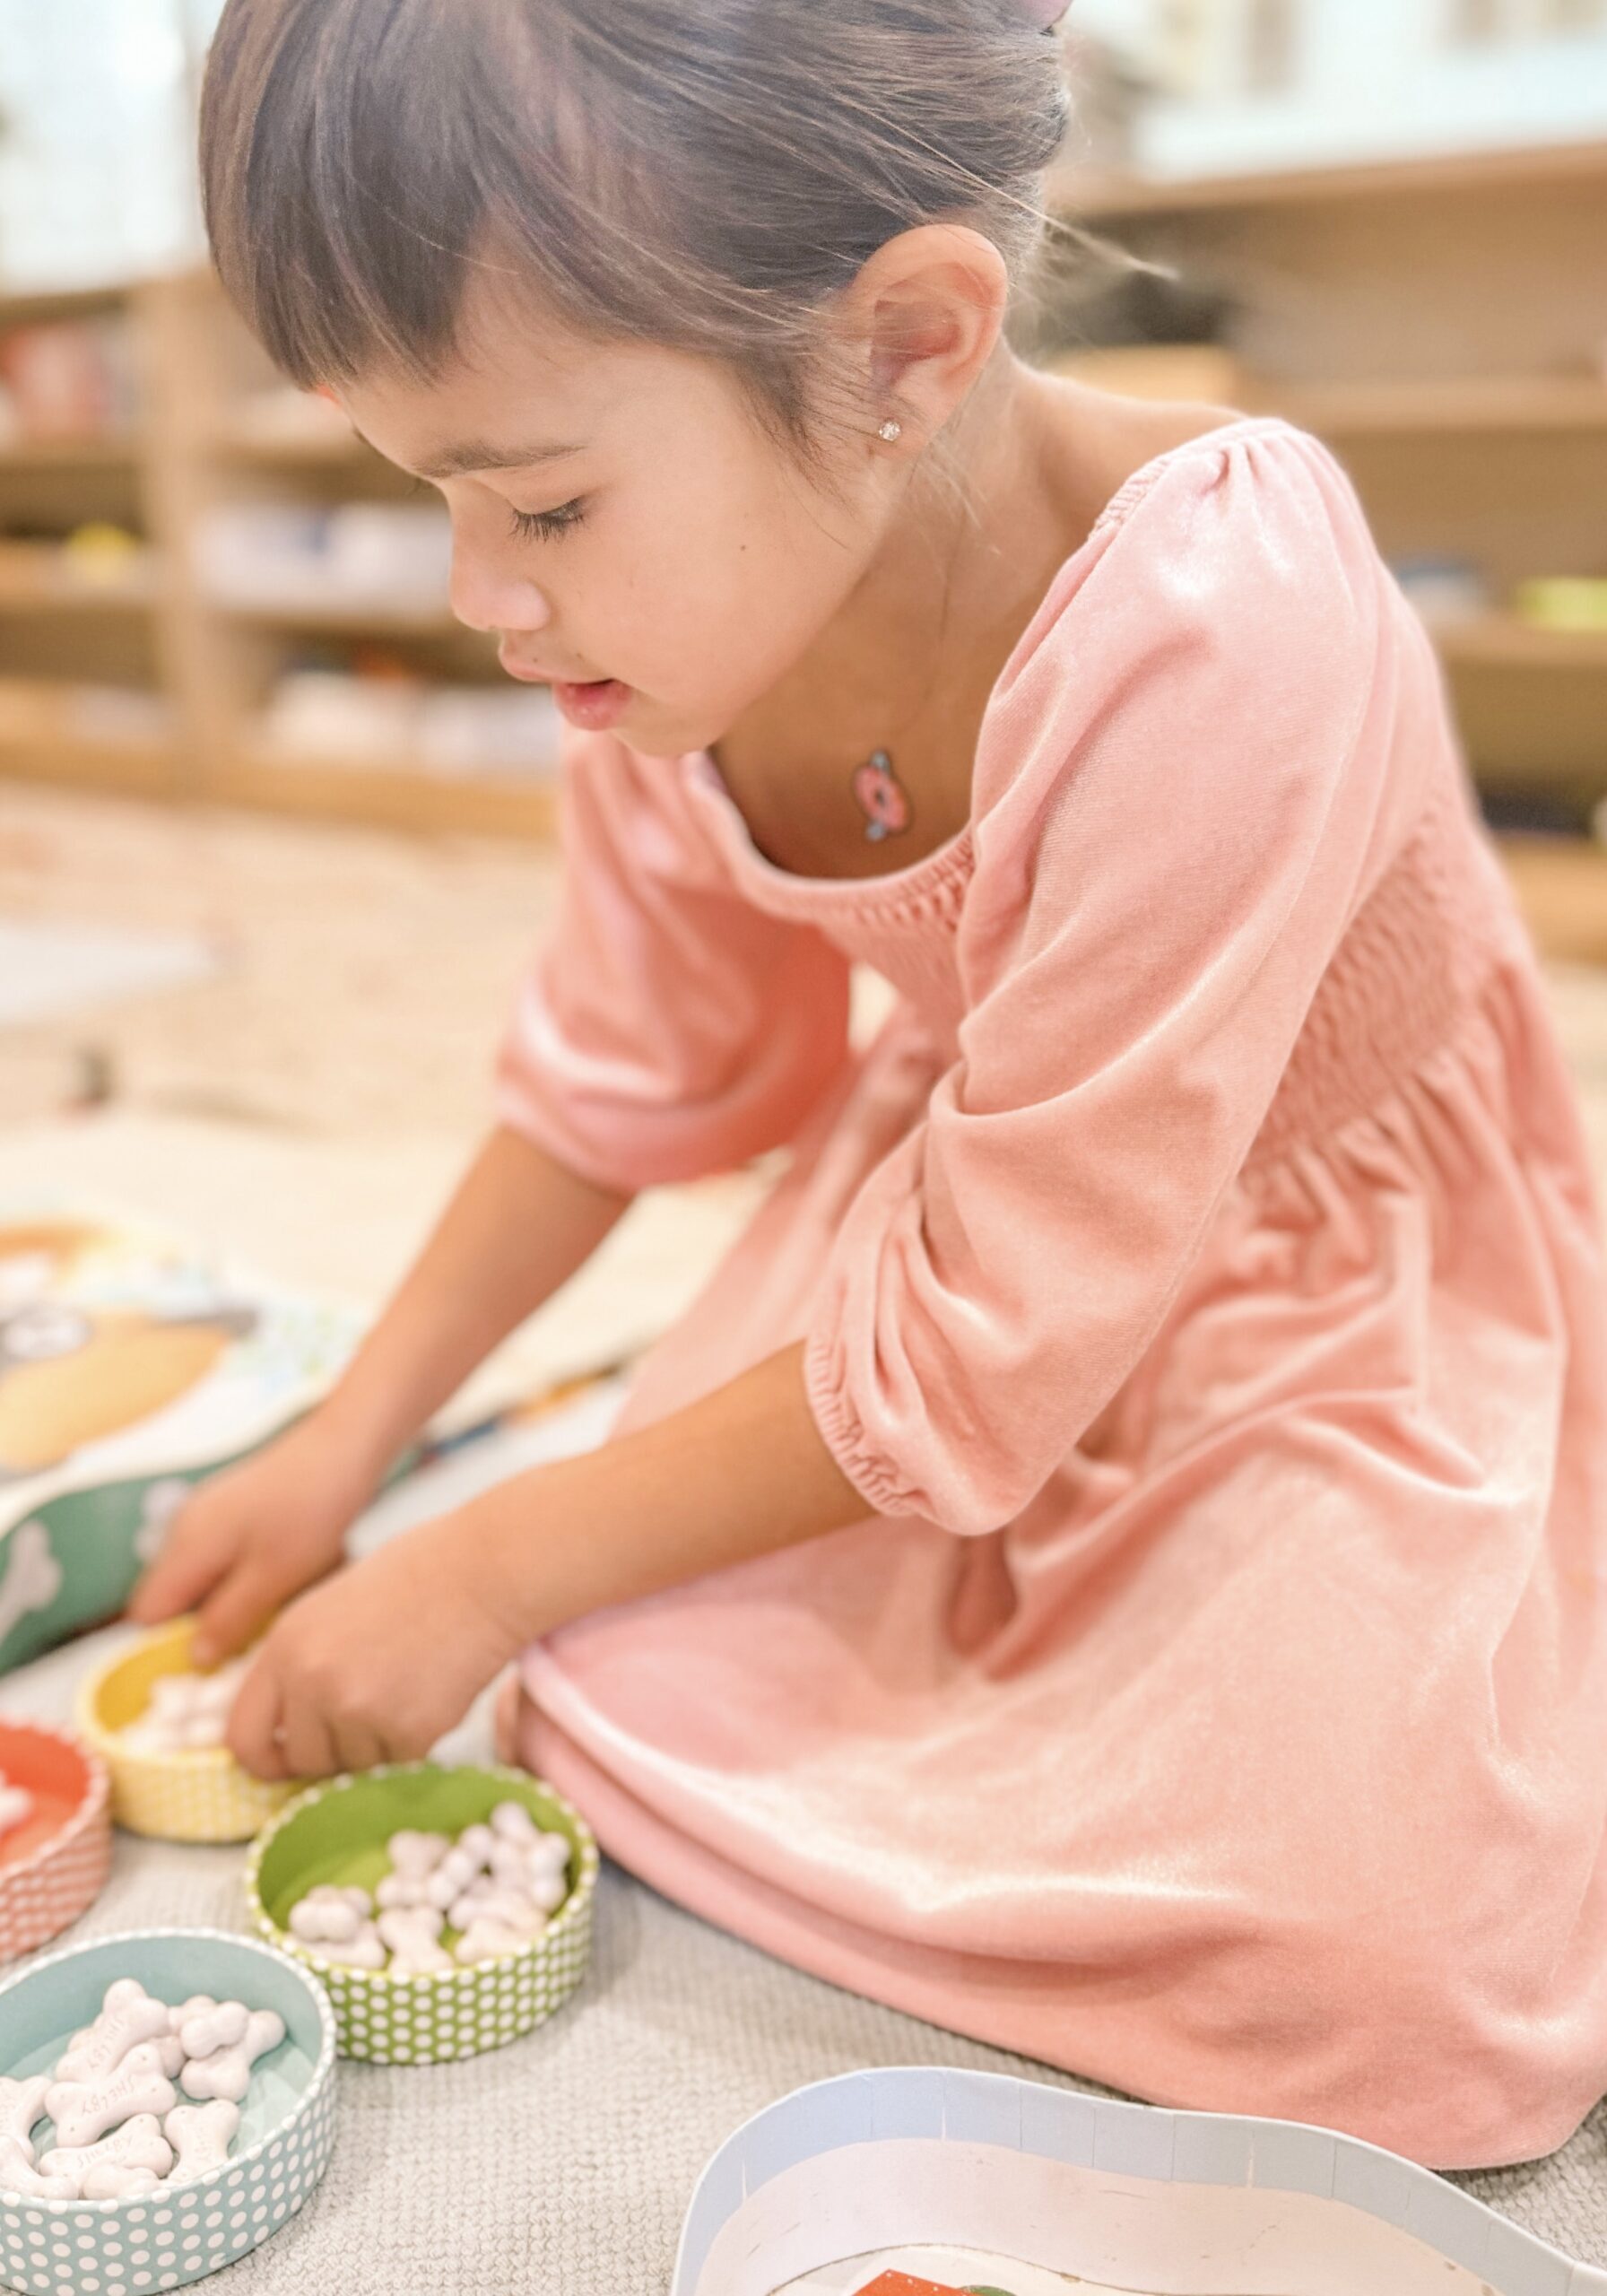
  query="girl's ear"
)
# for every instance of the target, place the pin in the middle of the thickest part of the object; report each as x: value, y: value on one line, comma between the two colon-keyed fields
x: 925, y: 313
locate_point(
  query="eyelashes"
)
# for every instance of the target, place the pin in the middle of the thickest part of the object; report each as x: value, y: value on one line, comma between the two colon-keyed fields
x: 547, y: 526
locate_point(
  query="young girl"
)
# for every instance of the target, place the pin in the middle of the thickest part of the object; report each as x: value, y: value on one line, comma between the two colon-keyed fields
x: 1113, y: 1563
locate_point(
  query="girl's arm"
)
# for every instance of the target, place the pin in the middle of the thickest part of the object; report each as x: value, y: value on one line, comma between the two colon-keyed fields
x: 518, y: 1227
x: 376, y: 1665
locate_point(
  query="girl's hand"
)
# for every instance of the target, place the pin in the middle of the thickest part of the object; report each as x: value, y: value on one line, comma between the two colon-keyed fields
x: 378, y: 1665
x: 254, y: 1535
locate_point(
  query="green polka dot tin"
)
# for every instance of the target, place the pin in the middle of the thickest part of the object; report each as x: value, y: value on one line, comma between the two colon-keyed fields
x: 338, y: 1834
x: 179, y: 2233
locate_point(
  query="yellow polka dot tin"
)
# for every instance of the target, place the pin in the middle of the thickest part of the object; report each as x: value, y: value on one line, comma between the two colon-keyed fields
x: 202, y: 1794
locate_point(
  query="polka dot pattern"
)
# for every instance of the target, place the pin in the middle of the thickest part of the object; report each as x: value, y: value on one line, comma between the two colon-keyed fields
x: 175, y: 2234
x: 42, y: 1895
x: 435, y: 2020
x: 199, y: 1797
x: 179, y: 2233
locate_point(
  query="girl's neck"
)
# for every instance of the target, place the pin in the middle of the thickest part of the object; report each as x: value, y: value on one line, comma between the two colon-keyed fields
x: 909, y: 662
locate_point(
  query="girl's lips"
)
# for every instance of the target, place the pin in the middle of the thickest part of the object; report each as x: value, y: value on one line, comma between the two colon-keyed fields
x: 592, y: 703
x: 596, y: 705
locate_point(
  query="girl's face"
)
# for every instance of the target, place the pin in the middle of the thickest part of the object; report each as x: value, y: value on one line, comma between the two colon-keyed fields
x: 624, y: 525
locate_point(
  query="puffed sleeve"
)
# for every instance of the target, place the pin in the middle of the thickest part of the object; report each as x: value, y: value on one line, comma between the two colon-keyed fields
x: 1185, y: 787
x: 667, y: 1029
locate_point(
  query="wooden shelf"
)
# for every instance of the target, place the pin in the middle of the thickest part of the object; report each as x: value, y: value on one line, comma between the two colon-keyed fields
x: 376, y: 621
x: 1453, y: 407
x: 1105, y: 193
x: 120, y: 453
x: 38, y: 578
x: 399, y: 797
x: 240, y: 442
x: 133, y: 768
x: 30, y: 306
x: 1501, y: 641
x: 1401, y: 273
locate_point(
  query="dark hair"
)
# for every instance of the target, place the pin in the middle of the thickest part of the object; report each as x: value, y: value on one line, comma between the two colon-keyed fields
x: 702, y: 174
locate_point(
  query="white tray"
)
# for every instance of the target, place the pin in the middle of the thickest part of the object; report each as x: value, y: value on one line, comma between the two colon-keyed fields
x: 1162, y: 2203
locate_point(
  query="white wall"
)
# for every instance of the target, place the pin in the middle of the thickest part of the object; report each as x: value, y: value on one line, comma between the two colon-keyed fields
x: 1379, y: 78
x: 97, y: 167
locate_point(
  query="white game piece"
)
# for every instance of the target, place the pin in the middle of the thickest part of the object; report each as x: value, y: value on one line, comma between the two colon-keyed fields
x: 201, y: 2136
x: 215, y: 2028
x: 128, y: 2016
x: 477, y: 1842
x: 22, y: 2106
x: 84, y: 2110
x: 186, y: 1713
x: 170, y: 2049
x: 488, y: 1940
x: 451, y: 1879
x: 19, y: 2175
x: 197, y: 2005
x: 411, y: 1936
x: 504, y: 1906
x: 117, y: 2184
x: 227, y: 2072
x: 510, y: 1866
x: 400, y: 1891
x: 549, y: 1853
x: 546, y: 1892
x: 405, y: 1924
x: 139, y: 2144
x: 325, y: 1914
x: 512, y: 1822
x: 417, y: 1854
x: 16, y: 1806
x: 365, y: 1950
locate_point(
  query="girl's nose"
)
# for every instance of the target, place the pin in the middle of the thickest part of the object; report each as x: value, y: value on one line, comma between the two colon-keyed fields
x: 488, y: 596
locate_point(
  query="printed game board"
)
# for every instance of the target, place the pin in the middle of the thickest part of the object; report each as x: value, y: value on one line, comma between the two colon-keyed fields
x: 131, y: 1364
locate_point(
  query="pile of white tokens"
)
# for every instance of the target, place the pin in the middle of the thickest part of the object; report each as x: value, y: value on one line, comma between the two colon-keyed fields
x: 187, y: 1712
x: 16, y: 1806
x: 496, y: 1886
x: 120, y: 2128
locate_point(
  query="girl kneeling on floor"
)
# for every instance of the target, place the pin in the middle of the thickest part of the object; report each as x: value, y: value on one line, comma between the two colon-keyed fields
x: 1113, y: 1562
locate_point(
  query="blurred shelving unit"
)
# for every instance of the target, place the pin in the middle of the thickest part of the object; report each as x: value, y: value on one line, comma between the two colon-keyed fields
x: 1442, y: 323
x: 123, y: 668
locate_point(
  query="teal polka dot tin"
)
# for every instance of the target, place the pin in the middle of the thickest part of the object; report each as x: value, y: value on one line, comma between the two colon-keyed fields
x: 339, y: 1833
x: 179, y: 2233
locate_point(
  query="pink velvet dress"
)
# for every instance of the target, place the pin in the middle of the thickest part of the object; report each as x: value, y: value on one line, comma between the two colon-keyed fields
x: 1200, y: 1277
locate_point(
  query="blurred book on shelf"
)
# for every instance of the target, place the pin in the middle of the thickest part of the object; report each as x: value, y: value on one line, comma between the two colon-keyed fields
x: 67, y: 379
x: 41, y: 710
x: 378, y: 713
x: 384, y: 556
x: 290, y: 421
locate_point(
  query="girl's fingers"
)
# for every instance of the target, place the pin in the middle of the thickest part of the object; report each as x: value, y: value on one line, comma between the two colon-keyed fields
x: 235, y: 1613
x: 180, y: 1577
x: 255, y: 1723
x: 306, y: 1742
x: 357, y: 1746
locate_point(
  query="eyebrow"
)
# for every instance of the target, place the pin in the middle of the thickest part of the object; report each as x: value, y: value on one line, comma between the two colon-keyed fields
x: 476, y: 454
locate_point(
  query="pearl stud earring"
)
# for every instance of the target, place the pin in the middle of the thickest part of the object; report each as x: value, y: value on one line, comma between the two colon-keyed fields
x: 891, y: 431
